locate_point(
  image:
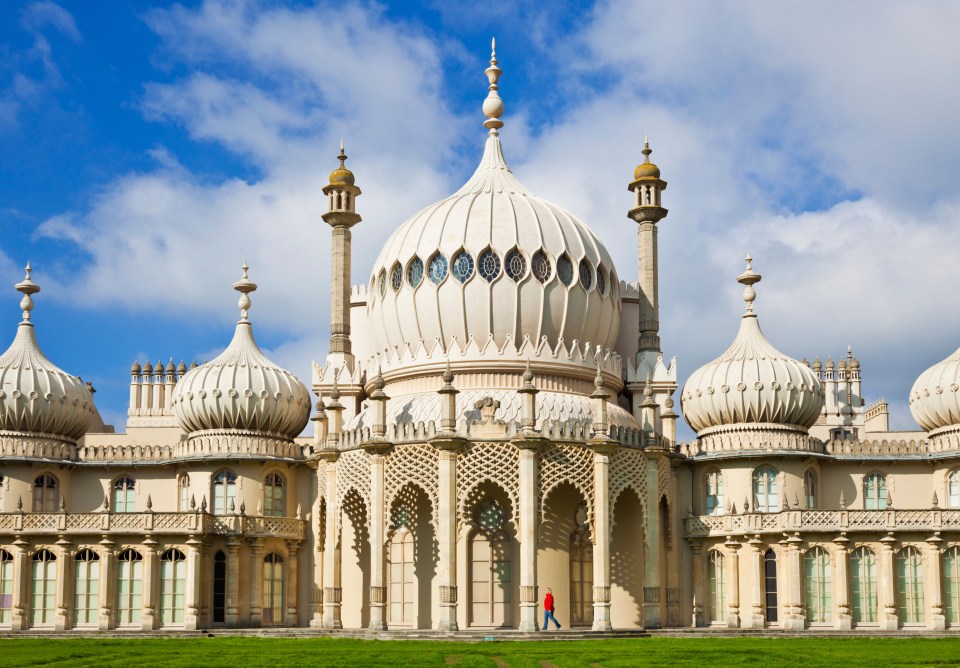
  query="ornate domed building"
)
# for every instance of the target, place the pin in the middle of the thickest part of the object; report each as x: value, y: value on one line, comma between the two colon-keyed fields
x: 494, y: 416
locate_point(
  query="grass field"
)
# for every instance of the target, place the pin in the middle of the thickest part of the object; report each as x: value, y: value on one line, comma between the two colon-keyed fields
x: 242, y: 652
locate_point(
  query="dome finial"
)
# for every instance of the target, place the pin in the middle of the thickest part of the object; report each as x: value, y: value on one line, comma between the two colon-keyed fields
x: 646, y: 149
x: 493, y: 105
x: 27, y: 288
x: 244, y: 286
x: 748, y: 279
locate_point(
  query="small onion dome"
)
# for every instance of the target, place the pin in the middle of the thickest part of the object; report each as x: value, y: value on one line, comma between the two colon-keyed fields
x: 341, y: 176
x: 181, y: 368
x: 752, y: 382
x: 135, y: 369
x: 147, y: 368
x: 855, y: 364
x: 935, y: 397
x: 35, y: 396
x: 646, y: 169
x: 241, y: 389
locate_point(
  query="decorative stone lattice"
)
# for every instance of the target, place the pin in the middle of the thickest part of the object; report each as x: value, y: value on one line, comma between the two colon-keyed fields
x: 353, y: 472
x: 415, y: 464
x: 321, y: 479
x: 567, y: 464
x: 664, y: 473
x: 628, y: 468
x: 498, y: 463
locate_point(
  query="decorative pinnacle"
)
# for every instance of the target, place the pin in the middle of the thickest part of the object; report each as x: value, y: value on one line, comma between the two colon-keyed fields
x: 598, y: 379
x: 646, y: 149
x: 448, y: 374
x: 244, y: 286
x: 493, y: 105
x: 27, y: 287
x: 748, y: 278
x: 378, y: 382
x: 343, y: 156
x: 528, y: 373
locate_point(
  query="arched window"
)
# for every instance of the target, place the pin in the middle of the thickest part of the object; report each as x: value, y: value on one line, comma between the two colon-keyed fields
x: 224, y: 492
x: 717, y: 580
x: 129, y: 587
x: 184, y: 493
x: 415, y: 272
x: 402, y: 577
x: 910, y: 586
x: 810, y: 489
x: 489, y: 265
x: 396, y: 276
x: 272, y: 589
x: 462, y: 268
x: 581, y: 569
x: 770, y: 586
x: 6, y: 587
x: 601, y: 279
x: 875, y: 492
x: 123, y: 495
x: 951, y: 585
x: 586, y: 274
x: 273, y: 505
x: 863, y: 578
x: 565, y: 270
x: 86, y: 588
x: 714, y: 493
x: 765, y: 499
x: 382, y: 282
x: 44, y: 587
x: 816, y: 571
x: 46, y: 494
x: 953, y: 489
x: 516, y: 265
x: 173, y: 587
x: 541, y: 267
x: 490, y: 567
x: 437, y: 271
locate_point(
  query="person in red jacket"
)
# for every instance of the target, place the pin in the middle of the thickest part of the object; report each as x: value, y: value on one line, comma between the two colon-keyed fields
x: 548, y: 610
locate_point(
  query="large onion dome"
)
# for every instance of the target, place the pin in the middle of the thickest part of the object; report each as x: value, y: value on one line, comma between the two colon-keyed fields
x: 752, y: 386
x: 36, y: 397
x: 242, y: 391
x: 935, y: 397
x: 493, y: 260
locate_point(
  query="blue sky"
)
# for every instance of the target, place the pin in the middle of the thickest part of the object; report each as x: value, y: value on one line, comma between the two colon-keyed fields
x: 147, y: 148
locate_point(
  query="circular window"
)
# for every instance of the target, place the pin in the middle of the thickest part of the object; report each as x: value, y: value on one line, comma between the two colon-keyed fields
x: 565, y: 270
x: 396, y: 277
x: 586, y: 274
x: 383, y: 282
x: 601, y: 280
x: 541, y: 267
x: 462, y: 267
x: 516, y: 265
x: 438, y: 268
x: 489, y: 264
x: 415, y: 272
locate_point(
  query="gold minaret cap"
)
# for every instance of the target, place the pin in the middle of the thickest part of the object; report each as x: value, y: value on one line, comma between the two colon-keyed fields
x: 341, y: 176
x: 646, y: 169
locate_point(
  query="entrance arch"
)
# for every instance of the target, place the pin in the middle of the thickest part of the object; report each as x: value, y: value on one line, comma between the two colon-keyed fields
x: 491, y: 567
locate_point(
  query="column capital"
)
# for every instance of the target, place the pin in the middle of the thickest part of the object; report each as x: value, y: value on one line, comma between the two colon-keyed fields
x: 529, y: 442
x: 448, y: 443
x: 603, y: 445
x: 377, y: 447
x: 329, y: 455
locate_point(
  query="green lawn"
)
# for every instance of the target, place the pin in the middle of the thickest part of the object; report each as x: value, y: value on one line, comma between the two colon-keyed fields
x: 242, y: 652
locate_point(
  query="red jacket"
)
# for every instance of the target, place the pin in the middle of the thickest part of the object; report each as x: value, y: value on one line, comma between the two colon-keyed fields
x: 548, y: 602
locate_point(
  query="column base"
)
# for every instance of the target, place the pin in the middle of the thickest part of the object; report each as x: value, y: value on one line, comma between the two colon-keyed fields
x: 755, y: 621
x: 844, y: 623
x: 938, y: 623
x: 528, y: 618
x: 331, y: 617
x: 733, y: 620
x: 105, y: 621
x: 651, y: 615
x: 378, y: 620
x: 448, y: 619
x: 601, y: 617
x: 696, y: 619
x: 148, y: 622
x: 60, y: 623
x: 793, y: 623
x: 17, y: 623
x: 890, y: 623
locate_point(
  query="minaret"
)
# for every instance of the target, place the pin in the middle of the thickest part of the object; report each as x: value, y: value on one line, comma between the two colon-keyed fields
x: 646, y: 212
x: 341, y: 216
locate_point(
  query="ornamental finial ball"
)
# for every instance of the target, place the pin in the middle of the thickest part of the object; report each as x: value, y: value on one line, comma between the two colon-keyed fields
x: 27, y: 287
x: 244, y: 286
x: 748, y: 278
x: 493, y: 105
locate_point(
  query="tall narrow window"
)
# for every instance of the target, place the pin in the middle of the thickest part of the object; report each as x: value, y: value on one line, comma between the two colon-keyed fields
x: 910, y: 586
x: 123, y: 495
x: 1, y: 492
x: 875, y: 492
x: 714, y: 493
x: 717, y: 579
x: 224, y: 492
x: 46, y: 494
x: 86, y: 588
x: 273, y: 495
x: 173, y: 587
x: 816, y: 567
x: 184, y: 493
x: 129, y: 587
x: 6, y: 587
x: 951, y: 585
x: 219, y: 588
x: 810, y: 489
x: 863, y: 578
x: 953, y: 489
x: 770, y: 586
x: 581, y: 569
x: 273, y: 589
x: 765, y: 499
x: 402, y: 577
x: 44, y: 587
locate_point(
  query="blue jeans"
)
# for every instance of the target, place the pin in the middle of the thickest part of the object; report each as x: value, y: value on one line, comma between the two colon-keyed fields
x: 548, y: 617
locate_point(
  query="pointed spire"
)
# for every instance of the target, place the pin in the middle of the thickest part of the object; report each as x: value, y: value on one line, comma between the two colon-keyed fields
x: 27, y: 287
x: 244, y: 286
x: 843, y: 501
x: 748, y: 278
x: 149, y: 502
x: 243, y: 508
x: 936, y: 501
x: 646, y: 149
x: 493, y: 105
x: 193, y: 502
x: 20, y: 503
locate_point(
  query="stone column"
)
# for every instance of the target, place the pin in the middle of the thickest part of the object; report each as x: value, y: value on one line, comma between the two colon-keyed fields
x: 331, y: 560
x: 889, y: 621
x: 698, y: 596
x: 62, y: 620
x: 937, y: 622
x: 448, y: 447
x: 108, y: 576
x: 378, y: 591
x: 232, y: 613
x: 528, y: 532
x: 841, y: 585
x: 733, y: 583
x: 293, y: 552
x: 256, y: 582
x: 603, y: 449
x: 149, y: 617
x: 341, y: 216
x: 21, y: 587
x: 757, y: 618
x: 794, y: 618
x: 193, y: 593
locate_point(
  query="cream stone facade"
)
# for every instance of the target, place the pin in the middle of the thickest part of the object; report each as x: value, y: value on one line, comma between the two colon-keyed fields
x: 495, y: 415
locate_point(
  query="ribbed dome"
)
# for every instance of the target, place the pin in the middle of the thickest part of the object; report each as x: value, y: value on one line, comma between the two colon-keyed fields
x: 36, y: 397
x: 493, y: 258
x: 752, y: 382
x: 241, y: 389
x: 935, y: 397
